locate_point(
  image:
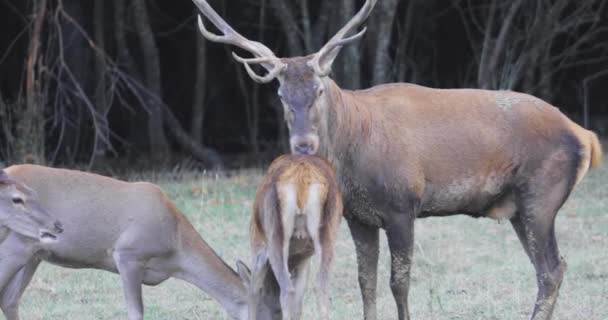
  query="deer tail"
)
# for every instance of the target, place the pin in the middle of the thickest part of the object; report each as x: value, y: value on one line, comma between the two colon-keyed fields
x: 596, y: 151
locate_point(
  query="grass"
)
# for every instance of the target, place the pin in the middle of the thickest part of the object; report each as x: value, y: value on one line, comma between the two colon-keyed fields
x: 464, y: 268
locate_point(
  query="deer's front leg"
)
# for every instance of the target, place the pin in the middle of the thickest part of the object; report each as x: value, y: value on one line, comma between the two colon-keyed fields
x: 14, y: 255
x: 400, y: 235
x: 130, y: 269
x: 367, y: 247
x: 12, y: 292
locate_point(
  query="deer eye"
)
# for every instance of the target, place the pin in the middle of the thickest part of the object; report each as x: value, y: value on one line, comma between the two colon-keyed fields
x: 17, y: 200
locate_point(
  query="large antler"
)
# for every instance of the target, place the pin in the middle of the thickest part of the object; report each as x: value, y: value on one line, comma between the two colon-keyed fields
x: 324, y: 58
x: 262, y: 54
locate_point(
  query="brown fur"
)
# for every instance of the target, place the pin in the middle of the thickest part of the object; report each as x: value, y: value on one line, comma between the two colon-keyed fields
x: 409, y: 150
x: 267, y: 228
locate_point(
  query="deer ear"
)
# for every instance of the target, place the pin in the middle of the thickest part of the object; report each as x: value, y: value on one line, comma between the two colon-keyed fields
x: 261, y: 259
x: 3, y: 176
x: 244, y: 272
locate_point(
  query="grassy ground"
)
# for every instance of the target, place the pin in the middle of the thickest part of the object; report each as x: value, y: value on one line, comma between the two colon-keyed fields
x: 464, y: 268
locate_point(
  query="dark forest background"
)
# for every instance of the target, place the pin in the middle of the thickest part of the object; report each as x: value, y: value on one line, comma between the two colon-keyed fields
x: 131, y: 83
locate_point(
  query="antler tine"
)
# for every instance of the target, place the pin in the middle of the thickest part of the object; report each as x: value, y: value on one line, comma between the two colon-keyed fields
x: 229, y: 36
x: 339, y: 39
x: 272, y: 73
x: 263, y: 55
x: 345, y: 41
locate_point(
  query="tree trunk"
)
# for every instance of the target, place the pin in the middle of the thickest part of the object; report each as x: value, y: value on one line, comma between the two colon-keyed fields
x: 30, y: 129
x: 159, y: 147
x: 383, y: 29
x: 349, y: 74
x: 125, y: 60
x: 492, y: 53
x: 319, y: 30
x: 206, y: 155
x: 137, y: 137
x: 102, y: 135
x: 285, y: 14
x: 198, y: 102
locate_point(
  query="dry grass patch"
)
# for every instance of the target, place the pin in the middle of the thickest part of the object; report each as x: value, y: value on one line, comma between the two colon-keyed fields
x: 464, y: 268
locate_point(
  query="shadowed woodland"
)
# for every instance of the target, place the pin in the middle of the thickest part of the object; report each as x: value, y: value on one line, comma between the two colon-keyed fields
x: 133, y: 83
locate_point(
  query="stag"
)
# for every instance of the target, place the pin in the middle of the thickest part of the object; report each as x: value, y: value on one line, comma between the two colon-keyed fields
x: 404, y: 151
x: 132, y: 229
x: 296, y: 214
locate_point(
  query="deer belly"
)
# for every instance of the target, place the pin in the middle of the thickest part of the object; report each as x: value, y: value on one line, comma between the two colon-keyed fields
x: 473, y: 196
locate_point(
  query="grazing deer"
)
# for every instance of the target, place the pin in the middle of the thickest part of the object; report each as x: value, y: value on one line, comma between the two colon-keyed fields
x: 132, y: 229
x: 22, y: 214
x: 404, y: 151
x: 296, y: 214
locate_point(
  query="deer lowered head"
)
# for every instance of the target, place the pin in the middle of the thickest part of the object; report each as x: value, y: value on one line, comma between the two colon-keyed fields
x: 303, y: 81
x: 21, y: 212
x: 263, y: 292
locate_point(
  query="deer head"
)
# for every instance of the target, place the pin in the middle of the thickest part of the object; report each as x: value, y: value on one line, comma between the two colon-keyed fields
x: 21, y: 212
x: 302, y: 82
x: 262, y: 289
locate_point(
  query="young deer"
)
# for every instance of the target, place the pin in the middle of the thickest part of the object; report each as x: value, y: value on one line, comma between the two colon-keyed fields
x: 132, y: 229
x: 296, y: 214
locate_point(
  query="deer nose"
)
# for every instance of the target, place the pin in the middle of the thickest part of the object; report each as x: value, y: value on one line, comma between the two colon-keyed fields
x: 303, y: 148
x: 58, y: 227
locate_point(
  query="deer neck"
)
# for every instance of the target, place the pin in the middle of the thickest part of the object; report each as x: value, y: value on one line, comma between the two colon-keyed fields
x: 202, y: 267
x: 343, y: 123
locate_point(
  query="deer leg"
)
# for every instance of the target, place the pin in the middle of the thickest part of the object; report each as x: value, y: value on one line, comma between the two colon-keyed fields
x: 14, y: 255
x: 278, y: 255
x: 366, y: 242
x: 130, y: 268
x: 12, y: 293
x: 8, y: 269
x: 400, y: 235
x: 535, y: 227
x: 300, y: 276
x: 539, y: 238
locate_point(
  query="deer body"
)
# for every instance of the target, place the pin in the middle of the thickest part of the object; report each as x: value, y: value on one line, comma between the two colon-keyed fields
x: 404, y: 151
x: 131, y: 229
x: 451, y: 150
x: 296, y: 214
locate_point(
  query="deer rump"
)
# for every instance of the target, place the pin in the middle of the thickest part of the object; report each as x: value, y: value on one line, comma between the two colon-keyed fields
x: 296, y: 215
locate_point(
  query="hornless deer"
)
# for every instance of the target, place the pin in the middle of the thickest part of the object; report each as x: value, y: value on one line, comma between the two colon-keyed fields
x: 296, y: 214
x: 132, y: 229
x: 22, y: 214
x: 403, y: 151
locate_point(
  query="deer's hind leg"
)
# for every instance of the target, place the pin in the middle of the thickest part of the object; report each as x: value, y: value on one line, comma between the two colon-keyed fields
x: 400, y: 235
x: 279, y: 265
x: 535, y: 227
x: 13, y: 291
x: 278, y: 256
x: 300, y: 275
